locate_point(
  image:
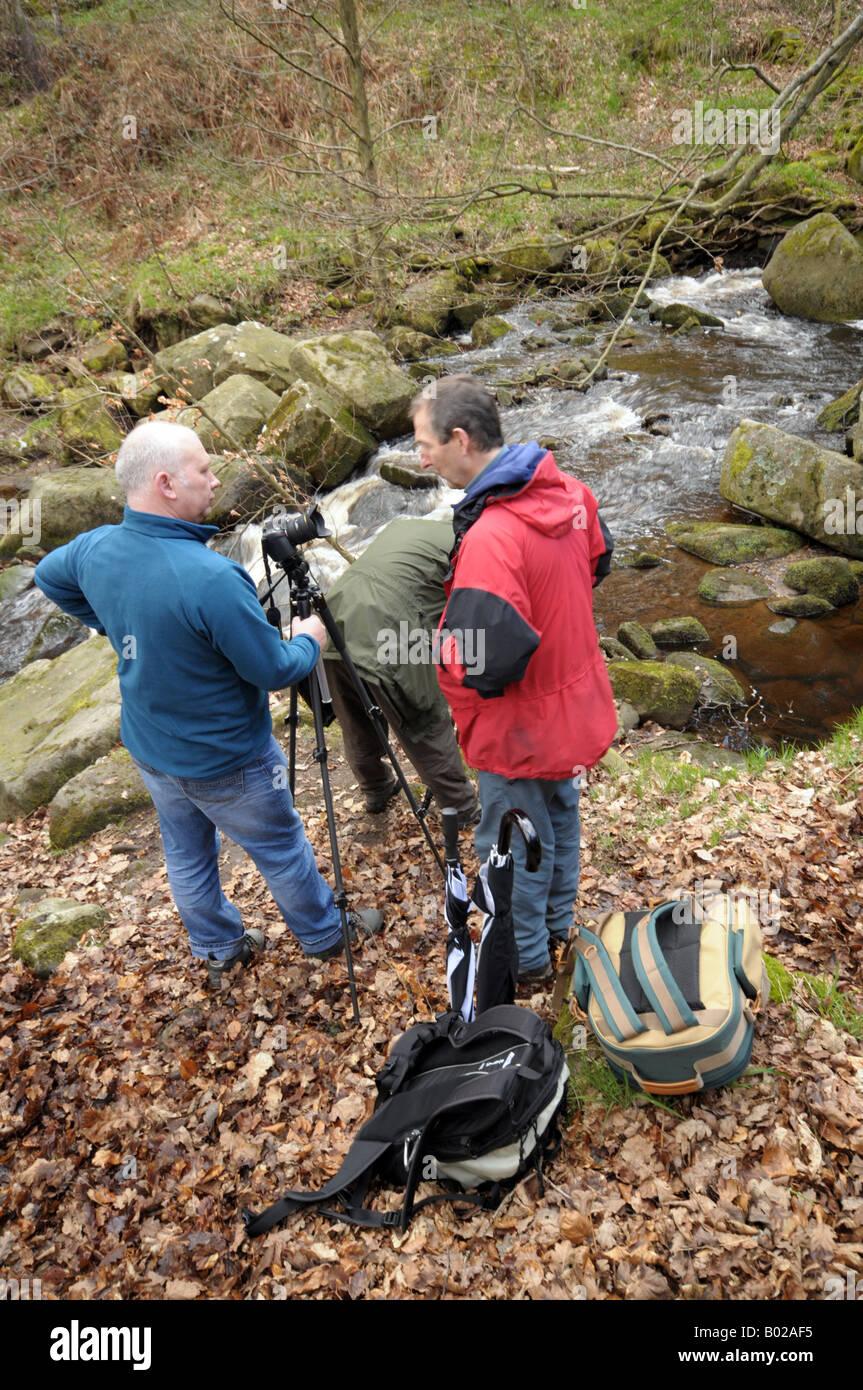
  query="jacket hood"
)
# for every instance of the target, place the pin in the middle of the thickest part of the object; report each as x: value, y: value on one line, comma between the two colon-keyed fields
x: 525, y: 479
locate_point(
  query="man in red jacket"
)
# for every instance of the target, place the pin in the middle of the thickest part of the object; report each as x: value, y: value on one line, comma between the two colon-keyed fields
x: 538, y: 710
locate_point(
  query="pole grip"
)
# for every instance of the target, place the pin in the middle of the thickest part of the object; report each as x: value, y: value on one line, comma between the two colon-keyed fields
x: 449, y: 822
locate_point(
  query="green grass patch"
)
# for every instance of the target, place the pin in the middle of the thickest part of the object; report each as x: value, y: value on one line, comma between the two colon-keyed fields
x: 814, y: 992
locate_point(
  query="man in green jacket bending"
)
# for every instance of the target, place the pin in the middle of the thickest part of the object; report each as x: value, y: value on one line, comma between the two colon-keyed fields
x: 388, y: 605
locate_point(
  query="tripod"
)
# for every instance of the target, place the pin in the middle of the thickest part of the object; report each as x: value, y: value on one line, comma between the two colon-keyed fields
x: 305, y: 595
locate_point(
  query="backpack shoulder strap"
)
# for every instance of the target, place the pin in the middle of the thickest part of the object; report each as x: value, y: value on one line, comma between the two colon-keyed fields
x: 359, y: 1163
x: 605, y: 982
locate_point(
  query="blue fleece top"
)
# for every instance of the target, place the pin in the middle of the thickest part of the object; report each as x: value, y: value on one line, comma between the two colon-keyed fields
x: 196, y: 654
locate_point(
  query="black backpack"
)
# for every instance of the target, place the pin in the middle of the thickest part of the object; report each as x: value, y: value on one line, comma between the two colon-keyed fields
x: 474, y: 1104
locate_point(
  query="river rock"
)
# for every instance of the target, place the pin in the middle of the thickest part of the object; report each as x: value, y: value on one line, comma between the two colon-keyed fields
x: 73, y: 500
x: 816, y: 272
x: 108, y: 791
x: 52, y: 927
x: 245, y: 489
x: 855, y: 162
x: 731, y: 586
x: 720, y: 543
x: 13, y: 581
x: 791, y: 481
x: 638, y: 640
x: 614, y: 650
x: 207, y: 311
x: 26, y: 389
x: 33, y: 628
x: 406, y: 472
x: 800, y: 606
x: 187, y: 369
x: 627, y: 716
x: 785, y: 626
x: 140, y: 391
x: 428, y: 304
x: 718, y: 685
x: 42, y: 342
x: 678, y: 632
x: 310, y: 429
x: 254, y: 350
x: 839, y: 413
x: 529, y: 257
x: 829, y: 577
x: 656, y: 690
x: 358, y: 372
x: 239, y: 405
x: 469, y: 308
x: 86, y: 426
x: 410, y: 346
x: 682, y: 315
x: 487, y: 331
x: 639, y: 560
x: 103, y: 353
x: 56, y: 717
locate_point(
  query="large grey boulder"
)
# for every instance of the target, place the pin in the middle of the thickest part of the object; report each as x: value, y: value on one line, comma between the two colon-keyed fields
x: 732, y: 586
x: 829, y: 577
x: 188, y: 369
x: 816, y: 272
x: 428, y: 305
x: 312, y: 430
x: 656, y: 690
x: 106, y: 792
x: 244, y: 489
x: 239, y: 405
x: 254, y: 350
x: 531, y: 257
x: 796, y: 483
x: 358, y: 372
x: 103, y: 353
x: 56, y: 717
x: 23, y: 388
x: 52, y: 927
x: 73, y: 500
x: 32, y: 628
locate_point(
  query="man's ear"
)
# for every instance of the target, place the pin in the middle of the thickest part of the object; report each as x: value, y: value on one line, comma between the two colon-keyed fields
x: 463, y: 439
x: 165, y: 484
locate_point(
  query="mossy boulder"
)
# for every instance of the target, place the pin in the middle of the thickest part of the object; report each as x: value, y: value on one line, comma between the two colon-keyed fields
x: 800, y: 606
x: 87, y: 427
x: 187, y: 370
x: 816, y: 272
x: 26, y: 389
x: 312, y: 430
x: 656, y: 690
x: 108, y: 791
x: 56, y: 718
x: 720, y: 543
x: 487, y: 331
x: 678, y: 632
x: 829, y: 577
x: 206, y: 311
x: 718, y: 685
x: 73, y: 500
x: 254, y: 350
x: 410, y: 346
x: 731, y: 586
x: 530, y: 257
x: 638, y: 640
x: 469, y: 309
x: 239, y: 406
x: 784, y: 45
x: 613, y: 649
x: 428, y: 304
x: 404, y: 471
x: 798, y: 484
x: 52, y: 927
x: 854, y: 166
x: 681, y: 315
x: 244, y: 489
x: 104, y: 353
x: 639, y: 560
x: 358, y: 372
x: 839, y: 413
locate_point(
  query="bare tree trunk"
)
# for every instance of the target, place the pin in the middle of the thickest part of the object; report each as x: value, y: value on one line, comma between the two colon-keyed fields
x: 25, y: 45
x: 365, y: 145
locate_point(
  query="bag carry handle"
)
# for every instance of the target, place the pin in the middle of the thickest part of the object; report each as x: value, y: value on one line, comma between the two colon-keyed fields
x: 655, y: 977
x: 605, y: 981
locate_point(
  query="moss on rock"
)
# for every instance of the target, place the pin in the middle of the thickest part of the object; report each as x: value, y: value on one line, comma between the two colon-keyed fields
x: 50, y: 929
x: 722, y: 544
x: 830, y: 577
x: 731, y: 586
x: 718, y: 685
x: 638, y: 641
x: 106, y: 792
x: 678, y: 632
x: 801, y: 606
x: 656, y: 690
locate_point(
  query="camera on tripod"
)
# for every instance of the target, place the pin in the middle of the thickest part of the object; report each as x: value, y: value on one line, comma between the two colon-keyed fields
x: 282, y: 534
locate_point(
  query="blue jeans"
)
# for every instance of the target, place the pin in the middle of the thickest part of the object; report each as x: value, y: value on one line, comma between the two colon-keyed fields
x: 542, y: 903
x: 254, y: 807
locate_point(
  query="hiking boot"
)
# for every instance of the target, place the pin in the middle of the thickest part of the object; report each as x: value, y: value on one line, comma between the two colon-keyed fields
x: 376, y: 804
x: 361, y: 925
x: 251, y: 945
x: 467, y: 818
x: 539, y: 976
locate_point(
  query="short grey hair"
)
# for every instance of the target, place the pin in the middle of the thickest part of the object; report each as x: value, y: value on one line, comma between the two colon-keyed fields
x: 151, y: 446
x: 461, y: 402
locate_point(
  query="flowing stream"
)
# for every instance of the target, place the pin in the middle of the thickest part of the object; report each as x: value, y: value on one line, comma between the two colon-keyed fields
x: 649, y: 442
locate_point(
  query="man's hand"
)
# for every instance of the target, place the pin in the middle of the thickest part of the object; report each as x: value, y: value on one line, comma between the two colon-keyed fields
x: 311, y: 627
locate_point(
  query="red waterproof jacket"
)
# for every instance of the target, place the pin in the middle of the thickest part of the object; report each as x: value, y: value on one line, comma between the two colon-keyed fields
x: 519, y: 659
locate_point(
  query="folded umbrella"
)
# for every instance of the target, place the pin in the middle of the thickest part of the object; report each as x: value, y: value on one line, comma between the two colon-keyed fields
x: 460, y: 957
x: 497, y: 967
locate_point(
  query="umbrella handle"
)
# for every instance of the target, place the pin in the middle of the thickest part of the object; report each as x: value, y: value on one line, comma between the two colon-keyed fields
x: 449, y: 822
x: 532, y: 843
